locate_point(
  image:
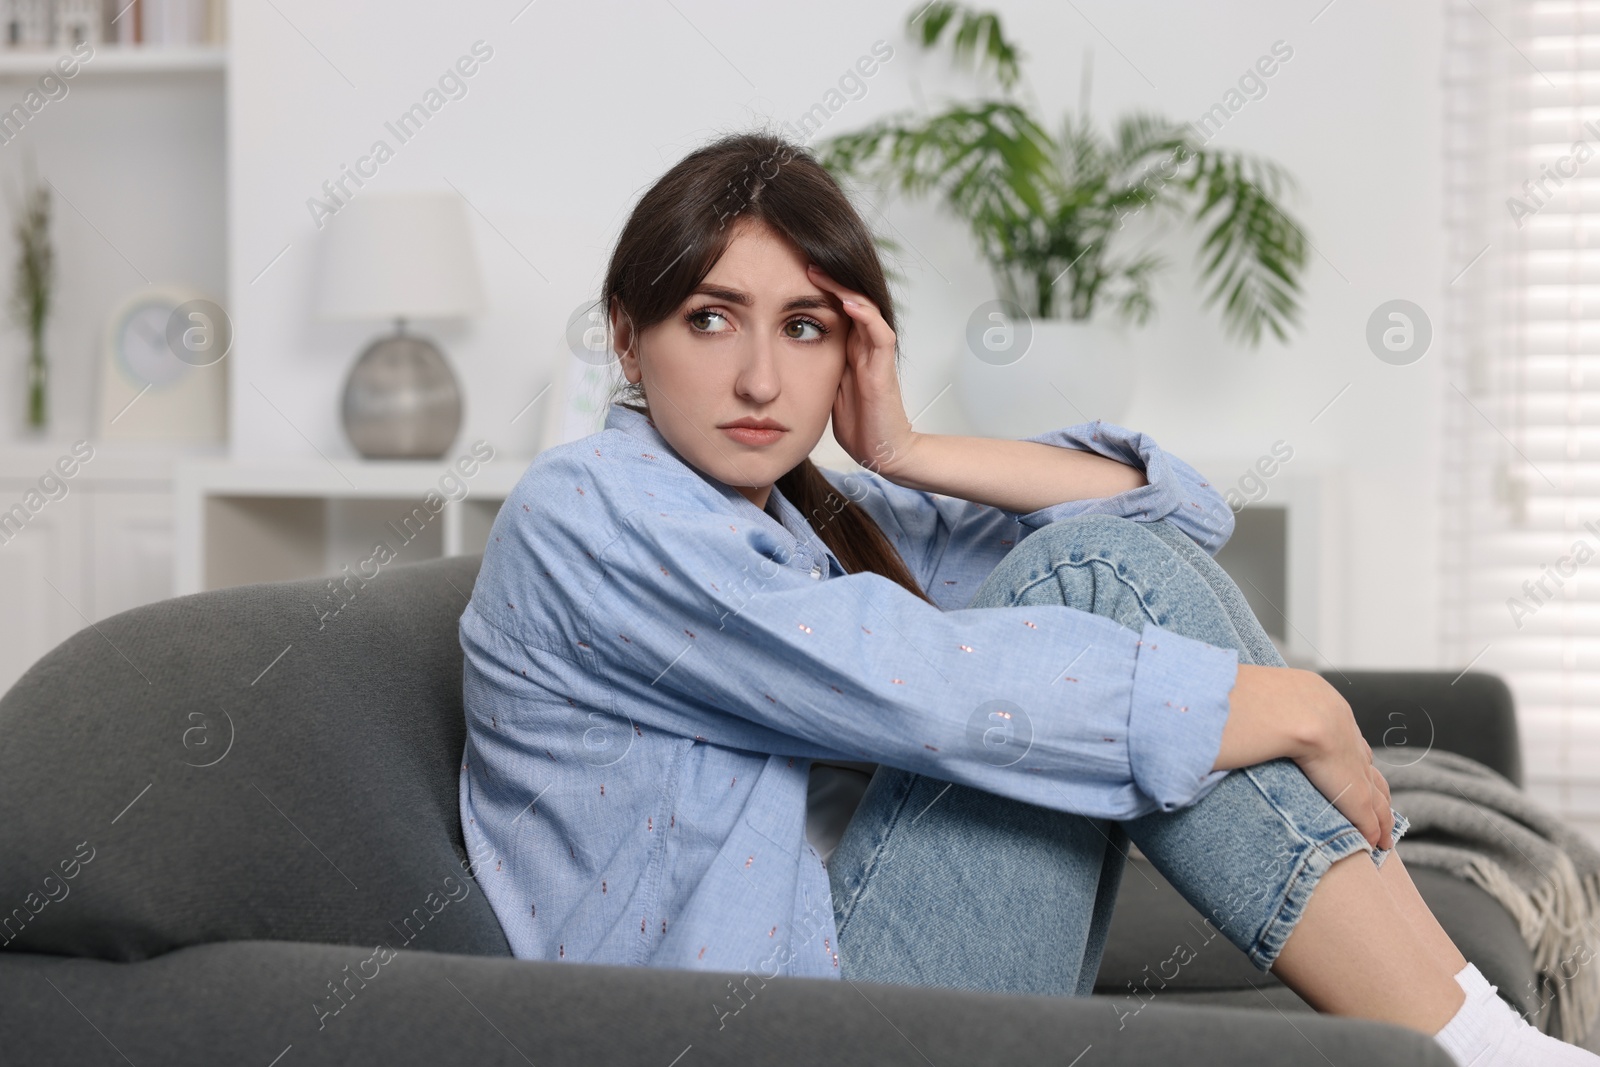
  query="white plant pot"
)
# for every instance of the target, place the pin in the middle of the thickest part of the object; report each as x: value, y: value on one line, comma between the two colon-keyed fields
x: 1070, y: 371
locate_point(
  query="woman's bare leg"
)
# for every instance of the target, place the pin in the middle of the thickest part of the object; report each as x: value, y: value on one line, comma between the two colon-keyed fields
x: 1418, y: 916
x: 1368, y: 946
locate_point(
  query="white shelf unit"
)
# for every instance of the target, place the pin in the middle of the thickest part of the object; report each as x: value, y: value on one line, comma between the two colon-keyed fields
x: 116, y: 59
x: 77, y: 550
x: 240, y: 522
x: 136, y: 152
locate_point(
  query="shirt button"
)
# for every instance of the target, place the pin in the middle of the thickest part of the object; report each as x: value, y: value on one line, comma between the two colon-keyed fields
x: 816, y: 570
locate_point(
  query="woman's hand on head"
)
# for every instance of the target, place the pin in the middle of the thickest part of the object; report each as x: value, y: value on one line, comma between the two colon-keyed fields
x: 869, y: 417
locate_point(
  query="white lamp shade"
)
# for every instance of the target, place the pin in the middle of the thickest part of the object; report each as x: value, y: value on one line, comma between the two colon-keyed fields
x: 400, y: 255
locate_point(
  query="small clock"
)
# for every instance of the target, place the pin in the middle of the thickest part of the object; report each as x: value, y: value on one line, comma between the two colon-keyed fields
x: 163, y: 372
x: 139, y: 336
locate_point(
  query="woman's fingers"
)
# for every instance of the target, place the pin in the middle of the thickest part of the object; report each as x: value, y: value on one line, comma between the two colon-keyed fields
x: 1341, y: 767
x: 858, y: 307
x: 822, y: 278
x: 1358, y: 802
x: 1373, y: 805
x: 869, y: 418
x: 1385, y: 809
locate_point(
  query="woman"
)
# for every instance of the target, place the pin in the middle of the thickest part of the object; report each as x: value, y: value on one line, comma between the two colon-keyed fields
x: 683, y: 631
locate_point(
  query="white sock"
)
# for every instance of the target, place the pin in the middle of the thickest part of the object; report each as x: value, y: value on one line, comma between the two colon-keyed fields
x: 1487, y: 1032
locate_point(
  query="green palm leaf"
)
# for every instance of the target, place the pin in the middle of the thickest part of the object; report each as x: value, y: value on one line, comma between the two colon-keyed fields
x: 1045, y: 212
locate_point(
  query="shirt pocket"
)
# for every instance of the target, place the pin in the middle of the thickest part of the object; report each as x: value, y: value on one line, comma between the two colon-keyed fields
x: 777, y: 806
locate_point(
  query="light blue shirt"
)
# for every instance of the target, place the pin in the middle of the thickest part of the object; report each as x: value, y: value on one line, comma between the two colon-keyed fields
x: 652, y: 662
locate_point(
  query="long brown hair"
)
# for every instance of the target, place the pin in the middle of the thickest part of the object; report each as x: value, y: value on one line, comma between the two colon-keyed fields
x: 682, y: 226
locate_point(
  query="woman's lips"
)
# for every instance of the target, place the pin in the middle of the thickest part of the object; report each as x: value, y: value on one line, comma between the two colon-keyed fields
x: 749, y: 435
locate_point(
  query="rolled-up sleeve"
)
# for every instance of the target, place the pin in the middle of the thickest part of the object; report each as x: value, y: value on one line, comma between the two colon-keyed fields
x: 698, y: 626
x: 1173, y: 491
x: 1172, y: 754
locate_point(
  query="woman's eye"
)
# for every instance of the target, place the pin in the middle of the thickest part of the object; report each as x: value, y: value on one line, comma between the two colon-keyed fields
x: 694, y: 320
x: 694, y: 316
x: 822, y: 331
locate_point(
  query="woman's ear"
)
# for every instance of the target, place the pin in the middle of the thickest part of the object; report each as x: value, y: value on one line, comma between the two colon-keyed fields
x: 623, y: 342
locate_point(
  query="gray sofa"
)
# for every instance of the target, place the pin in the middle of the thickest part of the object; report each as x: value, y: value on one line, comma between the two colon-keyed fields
x: 231, y: 835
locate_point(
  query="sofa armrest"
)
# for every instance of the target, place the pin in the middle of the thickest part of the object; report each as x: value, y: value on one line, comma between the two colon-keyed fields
x: 251, y: 1001
x: 1469, y: 713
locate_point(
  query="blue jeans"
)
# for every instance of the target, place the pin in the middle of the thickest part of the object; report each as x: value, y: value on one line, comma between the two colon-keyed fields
x: 940, y: 884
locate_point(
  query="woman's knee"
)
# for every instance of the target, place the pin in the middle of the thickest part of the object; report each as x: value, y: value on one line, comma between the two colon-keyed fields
x: 1100, y: 563
x: 1099, y: 527
x: 1106, y: 537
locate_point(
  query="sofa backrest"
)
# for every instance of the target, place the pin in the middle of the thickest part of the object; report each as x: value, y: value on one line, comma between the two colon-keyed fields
x: 274, y: 761
x: 1471, y: 713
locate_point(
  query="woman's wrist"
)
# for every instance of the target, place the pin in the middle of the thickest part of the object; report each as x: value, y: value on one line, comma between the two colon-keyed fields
x: 1271, y: 714
x: 890, y: 459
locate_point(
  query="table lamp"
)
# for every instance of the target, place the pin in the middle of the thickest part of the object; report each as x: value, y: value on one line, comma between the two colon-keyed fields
x: 400, y: 256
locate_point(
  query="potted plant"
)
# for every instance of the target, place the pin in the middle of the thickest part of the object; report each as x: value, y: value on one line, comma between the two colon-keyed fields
x: 1047, y: 213
x: 33, y: 284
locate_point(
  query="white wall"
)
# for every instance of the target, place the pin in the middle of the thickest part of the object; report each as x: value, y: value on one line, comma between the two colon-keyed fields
x: 581, y: 107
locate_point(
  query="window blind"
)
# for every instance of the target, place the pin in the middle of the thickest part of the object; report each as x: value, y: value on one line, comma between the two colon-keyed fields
x: 1521, y: 478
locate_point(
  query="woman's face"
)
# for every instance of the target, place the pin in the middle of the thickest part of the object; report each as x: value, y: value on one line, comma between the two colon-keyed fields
x: 758, y: 339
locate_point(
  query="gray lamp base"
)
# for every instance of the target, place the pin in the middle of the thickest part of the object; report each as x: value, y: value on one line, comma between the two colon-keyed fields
x: 401, y: 400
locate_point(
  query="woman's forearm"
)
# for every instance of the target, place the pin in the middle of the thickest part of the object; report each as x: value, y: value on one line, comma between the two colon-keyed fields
x: 1019, y: 476
x: 1269, y: 716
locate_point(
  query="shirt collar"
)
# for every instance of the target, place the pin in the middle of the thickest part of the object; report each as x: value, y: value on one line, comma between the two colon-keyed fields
x: 779, y: 510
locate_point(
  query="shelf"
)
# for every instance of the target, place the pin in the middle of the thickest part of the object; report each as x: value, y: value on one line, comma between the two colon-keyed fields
x: 137, y: 137
x: 113, y: 462
x: 353, y: 478
x: 117, y: 59
x: 243, y: 521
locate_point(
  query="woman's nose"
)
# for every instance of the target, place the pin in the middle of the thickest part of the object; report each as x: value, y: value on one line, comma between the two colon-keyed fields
x: 758, y: 376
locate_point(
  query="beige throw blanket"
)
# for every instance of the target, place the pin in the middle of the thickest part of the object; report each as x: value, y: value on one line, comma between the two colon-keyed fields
x: 1472, y: 822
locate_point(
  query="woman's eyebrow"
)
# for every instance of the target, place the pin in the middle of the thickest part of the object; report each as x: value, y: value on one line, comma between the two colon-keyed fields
x: 735, y: 296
